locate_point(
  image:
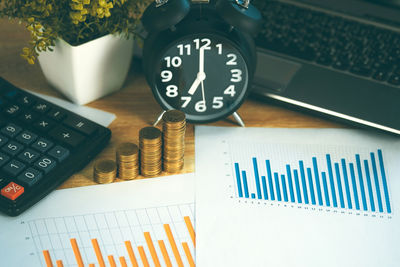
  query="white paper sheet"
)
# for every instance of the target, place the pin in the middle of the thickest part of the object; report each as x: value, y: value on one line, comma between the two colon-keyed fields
x: 111, y: 214
x: 237, y: 226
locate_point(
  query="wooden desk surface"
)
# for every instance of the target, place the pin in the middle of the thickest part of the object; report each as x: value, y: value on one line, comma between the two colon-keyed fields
x: 133, y: 105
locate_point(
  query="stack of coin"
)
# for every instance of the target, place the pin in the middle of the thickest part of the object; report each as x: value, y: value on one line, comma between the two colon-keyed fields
x: 128, y: 161
x: 174, y: 128
x: 105, y: 171
x: 150, y: 143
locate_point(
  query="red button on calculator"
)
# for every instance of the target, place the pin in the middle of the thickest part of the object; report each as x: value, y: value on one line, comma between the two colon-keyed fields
x: 12, y: 191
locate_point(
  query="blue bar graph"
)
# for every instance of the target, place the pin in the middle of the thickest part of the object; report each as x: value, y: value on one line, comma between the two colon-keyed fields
x: 353, y: 183
x: 271, y: 188
x: 311, y: 184
x: 289, y: 176
x: 355, y: 191
x: 339, y: 183
x: 369, y: 184
x: 256, y: 175
x: 298, y: 190
x: 303, y: 181
x: 361, y: 180
x: 278, y: 188
x: 238, y: 180
x: 264, y: 184
x: 385, y: 186
x: 376, y: 179
x: 284, y: 189
x: 346, y: 184
x: 246, y: 188
x: 327, y: 201
x: 331, y: 179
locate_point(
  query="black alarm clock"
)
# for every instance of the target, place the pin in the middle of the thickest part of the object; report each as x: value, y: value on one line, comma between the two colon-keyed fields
x: 200, y: 57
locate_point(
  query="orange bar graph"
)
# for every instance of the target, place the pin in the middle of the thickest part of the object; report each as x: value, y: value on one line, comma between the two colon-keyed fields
x: 153, y: 252
x: 132, y: 257
x: 188, y: 254
x: 112, y: 261
x: 165, y: 253
x: 123, y: 262
x: 77, y: 253
x: 47, y: 258
x: 142, y: 254
x: 97, y: 251
x: 190, y: 228
x: 173, y: 245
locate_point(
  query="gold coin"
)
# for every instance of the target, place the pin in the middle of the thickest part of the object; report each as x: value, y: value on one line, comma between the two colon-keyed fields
x: 105, y: 166
x: 150, y: 143
x: 174, y: 116
x: 127, y: 149
x: 174, y: 129
x: 105, y: 171
x: 149, y: 133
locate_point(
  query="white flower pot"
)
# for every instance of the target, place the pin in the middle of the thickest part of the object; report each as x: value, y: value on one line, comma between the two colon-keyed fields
x: 89, y: 71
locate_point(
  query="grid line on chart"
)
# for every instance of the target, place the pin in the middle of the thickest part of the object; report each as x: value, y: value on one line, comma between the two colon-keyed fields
x: 277, y: 172
x: 105, y: 230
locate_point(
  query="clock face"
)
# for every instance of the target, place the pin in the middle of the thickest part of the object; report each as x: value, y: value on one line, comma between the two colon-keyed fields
x: 205, y: 76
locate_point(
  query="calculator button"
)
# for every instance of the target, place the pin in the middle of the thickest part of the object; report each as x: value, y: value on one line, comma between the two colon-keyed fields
x: 30, y: 177
x: 13, y: 168
x: 42, y: 145
x: 3, y: 140
x: 29, y: 156
x: 12, y: 110
x: 11, y: 130
x: 26, y: 137
x: 26, y: 101
x: 45, y: 164
x: 56, y: 114
x: 41, y: 107
x: 59, y: 152
x: 3, y: 159
x: 12, y: 191
x: 3, y: 180
x: 43, y: 125
x: 66, y: 136
x: 12, y: 148
x: 80, y: 124
x: 28, y: 117
x: 11, y: 94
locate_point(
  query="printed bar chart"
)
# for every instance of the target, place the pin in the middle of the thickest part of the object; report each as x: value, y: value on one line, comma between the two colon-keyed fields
x: 352, y: 182
x: 124, y: 238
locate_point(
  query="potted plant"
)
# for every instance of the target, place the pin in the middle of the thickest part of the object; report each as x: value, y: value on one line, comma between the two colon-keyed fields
x: 84, y: 47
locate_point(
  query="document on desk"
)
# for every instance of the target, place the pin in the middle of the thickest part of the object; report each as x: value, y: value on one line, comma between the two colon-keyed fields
x: 297, y: 198
x: 145, y: 221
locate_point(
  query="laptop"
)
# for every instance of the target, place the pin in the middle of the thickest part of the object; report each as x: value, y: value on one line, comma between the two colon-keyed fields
x: 339, y: 58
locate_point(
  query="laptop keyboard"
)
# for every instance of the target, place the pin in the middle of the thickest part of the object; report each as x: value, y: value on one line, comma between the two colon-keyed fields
x: 331, y: 41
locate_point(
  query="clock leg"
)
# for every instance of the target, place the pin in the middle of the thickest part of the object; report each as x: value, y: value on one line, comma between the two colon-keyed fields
x: 238, y: 119
x: 159, y: 118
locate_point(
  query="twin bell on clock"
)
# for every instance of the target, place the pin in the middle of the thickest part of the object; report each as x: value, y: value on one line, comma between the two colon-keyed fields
x: 199, y: 56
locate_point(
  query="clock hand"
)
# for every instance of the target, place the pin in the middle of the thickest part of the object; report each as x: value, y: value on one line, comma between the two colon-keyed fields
x: 194, y: 86
x: 201, y: 62
x: 202, y: 92
x: 201, y: 75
